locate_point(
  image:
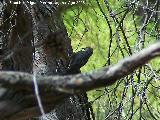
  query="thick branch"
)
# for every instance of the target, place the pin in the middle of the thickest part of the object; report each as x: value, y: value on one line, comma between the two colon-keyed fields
x: 85, y: 81
x: 54, y: 89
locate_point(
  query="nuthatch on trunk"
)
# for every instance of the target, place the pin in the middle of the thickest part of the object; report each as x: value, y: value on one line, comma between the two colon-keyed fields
x: 79, y: 59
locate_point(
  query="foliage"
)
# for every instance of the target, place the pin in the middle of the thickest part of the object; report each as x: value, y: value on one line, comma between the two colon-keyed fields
x: 114, y: 29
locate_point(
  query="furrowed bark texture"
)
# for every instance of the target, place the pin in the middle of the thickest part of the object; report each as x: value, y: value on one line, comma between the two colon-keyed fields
x: 17, y: 41
x: 23, y: 24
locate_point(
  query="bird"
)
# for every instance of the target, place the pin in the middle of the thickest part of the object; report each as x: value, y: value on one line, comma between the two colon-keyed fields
x: 79, y: 59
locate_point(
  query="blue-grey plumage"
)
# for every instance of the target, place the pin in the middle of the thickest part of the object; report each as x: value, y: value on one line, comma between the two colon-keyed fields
x: 79, y: 59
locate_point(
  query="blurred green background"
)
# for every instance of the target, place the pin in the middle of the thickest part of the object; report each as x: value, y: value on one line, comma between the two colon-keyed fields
x: 87, y: 26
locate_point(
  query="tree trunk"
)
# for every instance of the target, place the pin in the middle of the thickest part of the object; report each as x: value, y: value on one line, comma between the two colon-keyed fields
x: 39, y: 31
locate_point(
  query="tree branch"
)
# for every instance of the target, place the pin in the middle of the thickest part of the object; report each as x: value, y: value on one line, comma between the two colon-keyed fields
x: 54, y: 89
x: 84, y: 81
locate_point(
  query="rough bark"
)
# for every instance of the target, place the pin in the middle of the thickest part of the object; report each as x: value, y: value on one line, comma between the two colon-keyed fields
x: 71, y: 84
x: 61, y: 87
x: 17, y: 41
x: 50, y: 58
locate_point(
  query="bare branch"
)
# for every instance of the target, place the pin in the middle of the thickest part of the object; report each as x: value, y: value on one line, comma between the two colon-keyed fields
x: 85, y: 81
